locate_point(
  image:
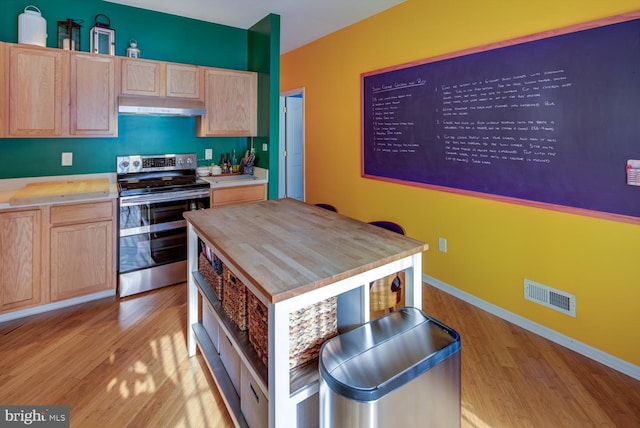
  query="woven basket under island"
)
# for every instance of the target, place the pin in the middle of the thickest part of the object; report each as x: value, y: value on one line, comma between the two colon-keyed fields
x: 309, y: 327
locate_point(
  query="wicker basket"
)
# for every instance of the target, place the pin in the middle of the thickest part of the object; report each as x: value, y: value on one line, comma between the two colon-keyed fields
x: 234, y: 300
x: 209, y: 273
x: 309, y: 328
x: 258, y: 327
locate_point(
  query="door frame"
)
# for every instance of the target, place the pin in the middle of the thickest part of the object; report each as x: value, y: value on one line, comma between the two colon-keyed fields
x: 282, y: 146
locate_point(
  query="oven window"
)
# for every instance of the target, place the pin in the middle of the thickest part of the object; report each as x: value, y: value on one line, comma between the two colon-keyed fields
x: 146, y: 250
x: 153, y: 213
x: 154, y: 233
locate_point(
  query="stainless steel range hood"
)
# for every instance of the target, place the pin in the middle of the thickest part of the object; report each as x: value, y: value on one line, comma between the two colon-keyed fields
x: 160, y: 106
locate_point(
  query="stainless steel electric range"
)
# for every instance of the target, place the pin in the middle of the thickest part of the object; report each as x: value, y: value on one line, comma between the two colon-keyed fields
x: 154, y: 191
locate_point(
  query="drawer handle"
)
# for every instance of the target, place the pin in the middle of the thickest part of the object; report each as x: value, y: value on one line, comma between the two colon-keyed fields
x: 254, y: 394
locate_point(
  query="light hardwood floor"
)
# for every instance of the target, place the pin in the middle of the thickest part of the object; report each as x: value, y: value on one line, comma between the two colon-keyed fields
x: 124, y: 364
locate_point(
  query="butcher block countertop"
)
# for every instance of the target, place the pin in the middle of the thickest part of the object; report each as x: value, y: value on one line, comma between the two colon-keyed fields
x: 286, y: 247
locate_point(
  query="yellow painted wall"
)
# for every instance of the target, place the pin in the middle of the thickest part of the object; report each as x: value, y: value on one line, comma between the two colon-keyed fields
x: 492, y: 245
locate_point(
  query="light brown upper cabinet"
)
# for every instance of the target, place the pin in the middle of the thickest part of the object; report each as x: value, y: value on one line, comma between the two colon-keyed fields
x: 160, y: 79
x: 38, y: 92
x: 183, y: 81
x: 231, y: 98
x: 57, y: 93
x: 94, y: 111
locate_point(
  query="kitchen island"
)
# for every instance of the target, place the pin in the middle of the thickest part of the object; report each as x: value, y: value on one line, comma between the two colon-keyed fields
x: 290, y: 255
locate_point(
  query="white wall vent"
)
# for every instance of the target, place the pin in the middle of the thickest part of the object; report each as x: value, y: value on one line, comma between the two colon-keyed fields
x: 561, y: 301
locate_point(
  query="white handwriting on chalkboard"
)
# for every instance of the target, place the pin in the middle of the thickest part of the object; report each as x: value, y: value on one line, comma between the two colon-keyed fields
x: 493, y: 119
x: 385, y: 87
x: 389, y: 127
x: 501, y: 119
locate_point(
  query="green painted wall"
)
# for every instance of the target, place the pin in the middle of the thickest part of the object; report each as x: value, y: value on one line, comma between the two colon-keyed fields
x: 159, y: 36
x: 264, y: 57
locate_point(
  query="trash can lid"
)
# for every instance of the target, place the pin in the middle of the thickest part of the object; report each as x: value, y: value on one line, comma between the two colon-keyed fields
x: 371, y: 361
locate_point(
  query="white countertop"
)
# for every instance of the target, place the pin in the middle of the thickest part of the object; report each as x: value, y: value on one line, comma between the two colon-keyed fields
x: 9, y: 186
x: 260, y: 176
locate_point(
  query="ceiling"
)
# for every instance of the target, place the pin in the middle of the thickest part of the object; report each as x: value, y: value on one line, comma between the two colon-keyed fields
x: 301, y: 21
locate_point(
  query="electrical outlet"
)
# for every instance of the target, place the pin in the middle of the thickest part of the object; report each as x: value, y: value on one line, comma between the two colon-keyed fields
x: 442, y: 245
x: 264, y: 147
x: 67, y: 159
x: 208, y: 154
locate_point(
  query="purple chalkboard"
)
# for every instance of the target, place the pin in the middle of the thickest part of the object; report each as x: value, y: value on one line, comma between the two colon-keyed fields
x: 552, y: 120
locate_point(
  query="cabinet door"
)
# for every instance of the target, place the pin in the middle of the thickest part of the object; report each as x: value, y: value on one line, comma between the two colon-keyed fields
x: 81, y: 259
x: 183, y: 81
x: 4, y: 94
x: 93, y: 92
x: 142, y: 77
x: 38, y: 88
x: 19, y: 259
x: 231, y: 100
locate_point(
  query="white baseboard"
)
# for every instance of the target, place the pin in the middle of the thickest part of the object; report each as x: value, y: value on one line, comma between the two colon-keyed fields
x: 55, y: 305
x: 588, y: 351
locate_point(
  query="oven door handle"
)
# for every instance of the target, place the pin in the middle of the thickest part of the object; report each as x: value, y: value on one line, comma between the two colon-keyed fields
x: 153, y: 228
x: 131, y: 201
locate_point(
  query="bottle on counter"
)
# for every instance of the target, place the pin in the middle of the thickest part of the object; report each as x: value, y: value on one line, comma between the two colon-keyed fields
x: 223, y: 168
x: 234, y: 162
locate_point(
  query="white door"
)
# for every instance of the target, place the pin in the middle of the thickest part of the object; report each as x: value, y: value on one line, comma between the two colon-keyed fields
x: 291, y: 180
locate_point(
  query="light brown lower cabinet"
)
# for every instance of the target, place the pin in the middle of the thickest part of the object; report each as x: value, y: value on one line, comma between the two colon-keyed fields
x: 81, y: 249
x: 20, y: 284
x: 233, y: 195
x: 56, y: 252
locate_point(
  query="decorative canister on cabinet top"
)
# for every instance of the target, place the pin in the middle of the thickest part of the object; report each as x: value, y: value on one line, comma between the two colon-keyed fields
x: 32, y: 27
x: 132, y: 50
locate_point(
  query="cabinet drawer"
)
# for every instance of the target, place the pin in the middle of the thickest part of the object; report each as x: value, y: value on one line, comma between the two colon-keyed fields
x: 230, y: 360
x: 74, y: 213
x: 233, y: 195
x: 253, y: 403
x: 210, y: 323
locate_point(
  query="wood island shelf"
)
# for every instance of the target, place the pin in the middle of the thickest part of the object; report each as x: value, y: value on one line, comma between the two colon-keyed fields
x: 290, y: 255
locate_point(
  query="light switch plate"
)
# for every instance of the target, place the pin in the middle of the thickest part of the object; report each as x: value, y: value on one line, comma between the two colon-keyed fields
x: 442, y: 245
x: 264, y: 147
x: 208, y: 154
x: 67, y: 158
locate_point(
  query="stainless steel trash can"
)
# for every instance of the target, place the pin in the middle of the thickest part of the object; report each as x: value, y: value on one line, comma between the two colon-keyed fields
x: 399, y: 370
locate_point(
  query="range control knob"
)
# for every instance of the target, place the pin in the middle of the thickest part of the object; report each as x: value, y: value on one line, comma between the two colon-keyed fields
x: 189, y: 161
x: 124, y: 164
x: 136, y: 164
